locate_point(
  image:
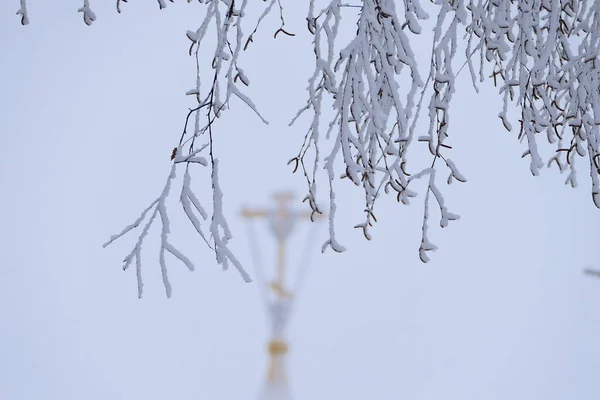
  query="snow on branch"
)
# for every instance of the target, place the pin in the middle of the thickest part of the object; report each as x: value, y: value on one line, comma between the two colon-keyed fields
x: 196, y: 143
x: 22, y: 12
x: 88, y: 14
x: 374, y: 117
x: 543, y: 55
x: 159, y: 208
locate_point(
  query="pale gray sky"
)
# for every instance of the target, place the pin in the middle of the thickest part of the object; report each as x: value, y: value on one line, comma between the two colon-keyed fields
x: 88, y: 119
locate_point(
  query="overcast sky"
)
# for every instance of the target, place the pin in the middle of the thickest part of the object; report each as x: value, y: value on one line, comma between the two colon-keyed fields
x: 88, y: 118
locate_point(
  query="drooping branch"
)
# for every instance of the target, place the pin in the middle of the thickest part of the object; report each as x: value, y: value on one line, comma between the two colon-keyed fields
x: 544, y: 51
x: 22, y: 12
x: 543, y: 56
x: 196, y: 145
x: 374, y: 116
x: 88, y: 15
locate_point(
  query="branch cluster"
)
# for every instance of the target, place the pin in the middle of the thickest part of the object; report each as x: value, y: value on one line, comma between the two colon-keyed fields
x: 544, y: 57
x: 196, y: 144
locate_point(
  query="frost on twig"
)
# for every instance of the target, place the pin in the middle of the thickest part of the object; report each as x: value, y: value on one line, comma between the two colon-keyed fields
x: 196, y: 144
x: 544, y: 54
x: 374, y: 117
x: 158, y: 207
x: 546, y: 60
x: 22, y: 12
x: 88, y: 14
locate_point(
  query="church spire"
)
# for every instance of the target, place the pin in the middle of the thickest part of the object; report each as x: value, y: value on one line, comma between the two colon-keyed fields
x: 281, y: 220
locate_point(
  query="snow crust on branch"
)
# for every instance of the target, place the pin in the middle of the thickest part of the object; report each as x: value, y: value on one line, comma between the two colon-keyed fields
x: 375, y: 117
x: 546, y: 53
x: 196, y: 144
x: 22, y: 12
x: 543, y: 55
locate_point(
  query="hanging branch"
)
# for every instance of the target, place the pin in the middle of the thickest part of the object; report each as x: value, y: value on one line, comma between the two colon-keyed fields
x: 530, y: 46
x: 22, y: 12
x: 544, y: 58
x: 197, y: 144
x: 366, y: 98
x: 88, y: 15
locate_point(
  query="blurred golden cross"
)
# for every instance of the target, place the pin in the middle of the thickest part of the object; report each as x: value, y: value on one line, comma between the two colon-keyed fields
x: 282, y: 220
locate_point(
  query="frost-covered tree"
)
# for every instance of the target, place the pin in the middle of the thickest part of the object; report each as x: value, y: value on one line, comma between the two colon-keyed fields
x: 542, y: 55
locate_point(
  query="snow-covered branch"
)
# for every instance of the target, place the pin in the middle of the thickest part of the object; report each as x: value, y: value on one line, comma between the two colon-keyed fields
x: 197, y: 141
x: 543, y: 55
x: 374, y: 116
x: 22, y: 12
x: 546, y: 55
